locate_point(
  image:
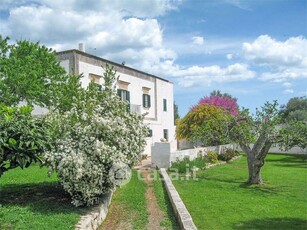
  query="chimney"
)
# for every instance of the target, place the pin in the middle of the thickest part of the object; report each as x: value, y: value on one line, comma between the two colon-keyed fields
x: 81, y: 47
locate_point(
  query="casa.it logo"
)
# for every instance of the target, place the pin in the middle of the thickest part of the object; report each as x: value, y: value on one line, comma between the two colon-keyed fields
x: 120, y: 174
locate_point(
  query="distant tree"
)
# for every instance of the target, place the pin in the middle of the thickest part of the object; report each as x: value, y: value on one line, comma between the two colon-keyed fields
x: 29, y: 72
x: 295, y: 109
x: 176, y: 113
x: 204, y: 123
x: 219, y: 94
x: 225, y: 101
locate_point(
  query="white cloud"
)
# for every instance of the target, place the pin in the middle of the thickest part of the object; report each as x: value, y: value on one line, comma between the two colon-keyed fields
x: 229, y: 56
x: 283, y: 60
x: 197, y: 40
x: 197, y: 75
x: 287, y: 84
x: 288, y: 91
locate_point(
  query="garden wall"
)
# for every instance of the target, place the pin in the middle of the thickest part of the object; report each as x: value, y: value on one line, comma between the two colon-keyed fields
x: 161, y: 155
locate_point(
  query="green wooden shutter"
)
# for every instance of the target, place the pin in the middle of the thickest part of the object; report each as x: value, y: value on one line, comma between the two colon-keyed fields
x: 144, y: 99
x: 128, y: 96
x: 164, y: 105
x: 119, y: 93
x: 149, y: 103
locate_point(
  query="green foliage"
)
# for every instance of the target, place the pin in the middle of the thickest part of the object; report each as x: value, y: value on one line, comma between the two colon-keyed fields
x: 220, y: 94
x: 29, y: 72
x: 23, y: 138
x: 296, y: 109
x: 176, y: 113
x: 205, y: 123
x: 96, y: 133
x: 294, y: 134
x: 186, y: 165
x: 246, y: 129
x: 211, y: 157
x: 228, y: 154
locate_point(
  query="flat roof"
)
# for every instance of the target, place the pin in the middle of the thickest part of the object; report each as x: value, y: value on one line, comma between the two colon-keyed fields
x: 110, y: 62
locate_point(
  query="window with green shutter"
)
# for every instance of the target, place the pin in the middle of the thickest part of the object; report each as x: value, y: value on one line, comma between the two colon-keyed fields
x: 146, y: 101
x: 165, y: 134
x: 124, y: 95
x: 164, y: 105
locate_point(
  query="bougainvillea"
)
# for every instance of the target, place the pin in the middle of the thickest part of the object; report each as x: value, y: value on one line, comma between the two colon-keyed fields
x: 227, y: 103
x: 96, y: 134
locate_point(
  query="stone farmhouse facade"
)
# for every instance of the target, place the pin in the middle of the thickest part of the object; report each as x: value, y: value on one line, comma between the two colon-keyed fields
x: 145, y: 93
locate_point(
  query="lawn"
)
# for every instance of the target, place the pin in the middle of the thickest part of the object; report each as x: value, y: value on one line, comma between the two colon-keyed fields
x: 221, y: 199
x: 169, y: 222
x: 128, y: 207
x: 29, y: 199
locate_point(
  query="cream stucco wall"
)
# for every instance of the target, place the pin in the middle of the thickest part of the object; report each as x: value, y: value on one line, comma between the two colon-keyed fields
x: 158, y: 89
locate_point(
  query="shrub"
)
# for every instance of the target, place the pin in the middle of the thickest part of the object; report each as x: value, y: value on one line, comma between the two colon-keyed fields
x: 187, y: 165
x: 23, y: 138
x: 228, y: 154
x: 211, y: 157
x: 97, y: 134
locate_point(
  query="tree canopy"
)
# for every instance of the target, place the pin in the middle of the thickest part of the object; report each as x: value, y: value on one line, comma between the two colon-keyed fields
x: 29, y: 73
x: 225, y: 101
x: 206, y: 124
x: 295, y: 109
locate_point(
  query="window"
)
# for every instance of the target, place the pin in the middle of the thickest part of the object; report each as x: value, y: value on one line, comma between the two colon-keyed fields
x: 165, y: 134
x: 146, y: 101
x: 96, y: 80
x: 123, y: 94
x: 149, y: 133
x: 164, y: 105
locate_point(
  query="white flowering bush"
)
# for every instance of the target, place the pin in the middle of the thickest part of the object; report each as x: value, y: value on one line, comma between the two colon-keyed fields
x: 96, y: 133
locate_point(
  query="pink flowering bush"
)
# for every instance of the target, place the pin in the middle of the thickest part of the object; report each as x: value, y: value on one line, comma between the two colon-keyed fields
x: 224, y: 102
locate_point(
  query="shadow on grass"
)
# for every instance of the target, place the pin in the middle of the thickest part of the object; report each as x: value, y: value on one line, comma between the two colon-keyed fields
x: 295, y: 158
x: 273, y: 223
x: 46, y: 198
x: 297, y: 161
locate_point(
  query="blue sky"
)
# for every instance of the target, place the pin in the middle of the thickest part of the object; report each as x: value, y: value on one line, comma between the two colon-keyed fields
x: 254, y: 50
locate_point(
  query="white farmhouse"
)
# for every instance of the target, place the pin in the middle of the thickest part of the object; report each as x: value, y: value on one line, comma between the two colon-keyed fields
x: 146, y: 93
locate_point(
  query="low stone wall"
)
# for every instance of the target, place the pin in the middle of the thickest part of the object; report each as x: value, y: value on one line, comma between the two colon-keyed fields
x: 95, y: 215
x: 183, y: 216
x: 162, y: 157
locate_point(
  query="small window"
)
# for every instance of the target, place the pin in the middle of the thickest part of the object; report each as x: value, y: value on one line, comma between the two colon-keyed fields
x: 123, y: 94
x: 95, y: 80
x: 149, y: 133
x: 164, y: 105
x: 165, y: 134
x: 146, y: 101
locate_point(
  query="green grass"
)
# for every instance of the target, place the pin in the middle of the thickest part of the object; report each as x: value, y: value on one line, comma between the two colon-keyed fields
x: 130, y: 201
x: 221, y: 199
x: 29, y: 199
x: 164, y: 203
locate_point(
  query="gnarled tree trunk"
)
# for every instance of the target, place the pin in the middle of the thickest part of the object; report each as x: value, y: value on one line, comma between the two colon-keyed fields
x: 255, y: 159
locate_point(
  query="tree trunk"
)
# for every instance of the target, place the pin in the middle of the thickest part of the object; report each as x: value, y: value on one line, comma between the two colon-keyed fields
x: 254, y: 175
x: 255, y: 161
